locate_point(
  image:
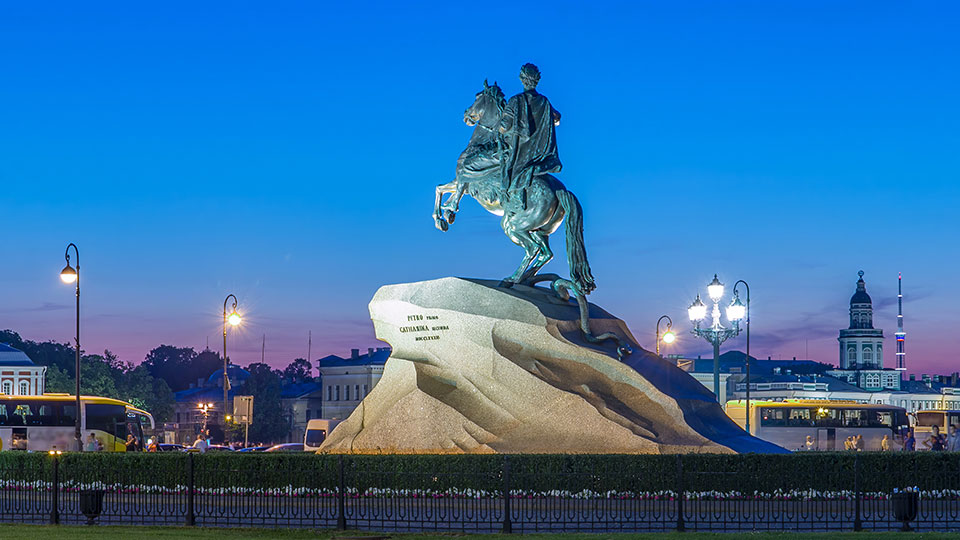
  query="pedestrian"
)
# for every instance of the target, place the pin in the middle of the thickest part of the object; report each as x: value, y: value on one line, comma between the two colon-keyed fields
x: 131, y: 443
x: 201, y: 443
x: 91, y: 445
x: 910, y: 443
x: 885, y: 443
x: 859, y: 444
x: 935, y: 442
x: 953, y: 439
x: 810, y: 444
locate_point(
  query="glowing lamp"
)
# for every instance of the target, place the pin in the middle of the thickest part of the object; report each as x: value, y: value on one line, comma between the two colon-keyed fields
x: 715, y: 289
x: 68, y: 274
x: 736, y: 310
x: 234, y: 319
x: 697, y: 310
x: 669, y: 337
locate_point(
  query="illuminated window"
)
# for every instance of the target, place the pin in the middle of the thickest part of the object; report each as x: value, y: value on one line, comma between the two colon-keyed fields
x: 24, y: 388
x: 7, y: 387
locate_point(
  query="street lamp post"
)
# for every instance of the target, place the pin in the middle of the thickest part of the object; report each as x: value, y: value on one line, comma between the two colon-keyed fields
x: 716, y: 333
x: 205, y: 409
x: 70, y: 275
x: 739, y: 314
x: 668, y: 336
x: 233, y: 319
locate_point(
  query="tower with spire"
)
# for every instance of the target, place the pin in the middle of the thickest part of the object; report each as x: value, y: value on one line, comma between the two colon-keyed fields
x: 861, y: 345
x: 901, y: 335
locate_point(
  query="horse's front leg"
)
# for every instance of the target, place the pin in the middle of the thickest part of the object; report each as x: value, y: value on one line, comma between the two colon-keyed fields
x: 438, y: 217
x: 452, y: 206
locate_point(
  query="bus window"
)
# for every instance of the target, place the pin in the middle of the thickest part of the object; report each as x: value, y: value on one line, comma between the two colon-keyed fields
x: 109, y: 418
x: 800, y: 418
x: 953, y: 419
x: 928, y: 419
x: 68, y: 415
x: 827, y: 417
x: 853, y: 417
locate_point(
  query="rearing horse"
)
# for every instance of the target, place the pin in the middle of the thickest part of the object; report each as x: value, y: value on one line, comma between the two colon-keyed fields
x: 528, y: 217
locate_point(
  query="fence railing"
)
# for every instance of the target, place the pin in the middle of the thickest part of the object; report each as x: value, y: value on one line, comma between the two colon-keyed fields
x: 522, y: 493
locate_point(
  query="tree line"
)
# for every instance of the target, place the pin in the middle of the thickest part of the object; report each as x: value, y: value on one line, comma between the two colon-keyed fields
x: 165, y: 370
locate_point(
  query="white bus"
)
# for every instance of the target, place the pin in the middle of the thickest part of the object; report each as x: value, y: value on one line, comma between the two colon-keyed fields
x: 788, y: 423
x: 317, y: 432
x: 47, y: 422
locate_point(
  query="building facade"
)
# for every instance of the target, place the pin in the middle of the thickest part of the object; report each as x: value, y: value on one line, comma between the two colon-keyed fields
x: 301, y: 402
x: 19, y: 376
x: 346, y: 381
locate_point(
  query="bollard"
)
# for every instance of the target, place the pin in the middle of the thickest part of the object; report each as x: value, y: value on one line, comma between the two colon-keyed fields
x: 191, y: 520
x: 55, y: 492
x: 341, y: 505
x: 681, y: 526
x: 857, y: 522
x: 507, y: 521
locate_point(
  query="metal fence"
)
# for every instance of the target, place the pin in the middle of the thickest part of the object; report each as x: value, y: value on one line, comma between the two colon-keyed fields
x: 507, y: 493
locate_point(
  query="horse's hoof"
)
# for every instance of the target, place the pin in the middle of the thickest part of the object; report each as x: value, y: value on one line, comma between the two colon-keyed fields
x: 450, y: 215
x: 506, y: 284
x: 442, y: 225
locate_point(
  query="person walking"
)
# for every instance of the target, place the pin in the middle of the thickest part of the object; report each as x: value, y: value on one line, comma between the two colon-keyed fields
x: 859, y: 444
x: 935, y: 442
x: 953, y: 439
x: 885, y: 443
x: 910, y: 443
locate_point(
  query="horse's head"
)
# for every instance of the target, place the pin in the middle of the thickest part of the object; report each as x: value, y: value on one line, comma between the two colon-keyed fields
x: 487, y: 107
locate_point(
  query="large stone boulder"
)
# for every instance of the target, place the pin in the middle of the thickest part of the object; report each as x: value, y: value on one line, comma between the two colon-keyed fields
x: 478, y: 368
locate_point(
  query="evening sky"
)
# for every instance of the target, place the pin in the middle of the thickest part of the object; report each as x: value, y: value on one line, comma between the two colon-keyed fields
x: 287, y: 153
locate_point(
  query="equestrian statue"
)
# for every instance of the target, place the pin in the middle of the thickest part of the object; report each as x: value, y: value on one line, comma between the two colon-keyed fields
x: 507, y: 167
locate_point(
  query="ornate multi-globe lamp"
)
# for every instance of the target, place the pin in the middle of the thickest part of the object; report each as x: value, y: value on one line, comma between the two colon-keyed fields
x: 716, y: 333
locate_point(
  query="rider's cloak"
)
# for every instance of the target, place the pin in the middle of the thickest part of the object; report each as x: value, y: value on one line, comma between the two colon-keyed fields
x: 530, y: 139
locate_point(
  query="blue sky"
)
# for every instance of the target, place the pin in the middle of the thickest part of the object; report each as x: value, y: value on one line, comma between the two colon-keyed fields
x: 288, y: 154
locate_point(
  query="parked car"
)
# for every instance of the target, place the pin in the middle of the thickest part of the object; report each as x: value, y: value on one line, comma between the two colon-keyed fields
x: 219, y: 448
x: 286, y: 447
x: 164, y: 447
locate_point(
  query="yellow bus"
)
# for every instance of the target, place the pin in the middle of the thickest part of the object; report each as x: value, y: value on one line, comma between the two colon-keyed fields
x: 828, y: 423
x: 47, y: 422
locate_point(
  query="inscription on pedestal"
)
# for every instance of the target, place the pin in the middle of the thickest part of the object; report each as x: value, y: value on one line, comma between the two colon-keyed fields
x: 424, y: 324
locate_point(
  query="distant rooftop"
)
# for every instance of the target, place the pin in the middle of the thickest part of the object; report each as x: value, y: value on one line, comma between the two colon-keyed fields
x: 373, y: 357
x: 13, y: 357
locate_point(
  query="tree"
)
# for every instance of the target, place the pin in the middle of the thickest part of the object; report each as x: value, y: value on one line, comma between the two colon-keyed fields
x: 181, y: 366
x: 298, y: 371
x: 263, y: 384
x: 151, y: 394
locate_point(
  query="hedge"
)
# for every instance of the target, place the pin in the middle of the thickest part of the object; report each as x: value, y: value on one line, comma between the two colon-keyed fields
x: 746, y: 473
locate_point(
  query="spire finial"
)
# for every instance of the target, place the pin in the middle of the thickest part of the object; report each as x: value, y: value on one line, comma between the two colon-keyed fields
x: 860, y: 274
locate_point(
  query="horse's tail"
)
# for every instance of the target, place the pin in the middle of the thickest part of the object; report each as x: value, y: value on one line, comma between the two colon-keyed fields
x: 576, y: 251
